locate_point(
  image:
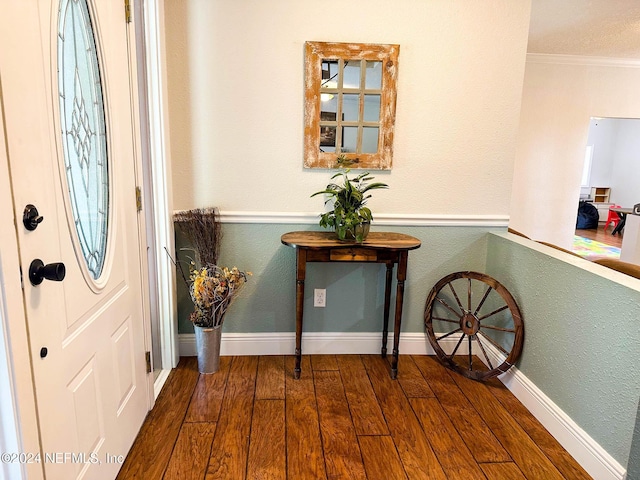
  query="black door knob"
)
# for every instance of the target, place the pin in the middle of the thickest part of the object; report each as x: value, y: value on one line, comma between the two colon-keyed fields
x: 31, y: 218
x: 38, y: 271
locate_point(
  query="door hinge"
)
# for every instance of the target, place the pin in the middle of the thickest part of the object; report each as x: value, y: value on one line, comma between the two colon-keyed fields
x: 139, y: 199
x: 127, y: 10
x: 147, y: 356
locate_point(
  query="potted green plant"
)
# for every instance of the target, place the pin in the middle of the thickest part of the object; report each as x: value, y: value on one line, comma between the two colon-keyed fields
x: 350, y: 217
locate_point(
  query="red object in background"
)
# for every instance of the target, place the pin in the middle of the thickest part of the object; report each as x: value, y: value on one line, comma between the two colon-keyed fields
x: 613, y: 218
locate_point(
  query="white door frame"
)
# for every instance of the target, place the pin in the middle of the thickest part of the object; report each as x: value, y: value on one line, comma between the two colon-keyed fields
x: 17, y: 396
x: 158, y: 158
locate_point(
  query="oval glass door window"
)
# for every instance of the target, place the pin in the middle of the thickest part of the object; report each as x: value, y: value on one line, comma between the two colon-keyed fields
x: 84, y: 141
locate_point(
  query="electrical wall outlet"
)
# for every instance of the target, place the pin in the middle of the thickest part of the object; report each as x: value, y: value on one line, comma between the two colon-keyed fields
x: 319, y: 297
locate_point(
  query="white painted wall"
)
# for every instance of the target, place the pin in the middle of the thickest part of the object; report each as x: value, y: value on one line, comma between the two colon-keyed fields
x: 236, y: 101
x: 602, y: 135
x: 560, y: 95
x: 625, y: 184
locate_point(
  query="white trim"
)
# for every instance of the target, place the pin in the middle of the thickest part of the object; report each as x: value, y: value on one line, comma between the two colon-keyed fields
x: 163, y: 375
x: 579, y: 262
x: 544, y: 58
x: 10, y: 433
x: 144, y: 222
x: 18, y: 411
x: 161, y: 178
x: 397, y: 219
x: 313, y: 343
x: 584, y: 449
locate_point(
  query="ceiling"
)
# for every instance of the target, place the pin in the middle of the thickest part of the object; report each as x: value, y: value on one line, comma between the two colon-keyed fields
x: 602, y: 28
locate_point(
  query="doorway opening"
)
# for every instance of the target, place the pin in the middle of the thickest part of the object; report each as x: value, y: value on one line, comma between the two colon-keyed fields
x: 610, y: 179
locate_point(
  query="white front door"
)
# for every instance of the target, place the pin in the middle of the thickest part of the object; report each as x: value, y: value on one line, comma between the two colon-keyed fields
x: 67, y: 97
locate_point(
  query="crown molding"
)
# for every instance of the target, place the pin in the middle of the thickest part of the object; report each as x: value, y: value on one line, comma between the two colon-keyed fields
x: 545, y: 58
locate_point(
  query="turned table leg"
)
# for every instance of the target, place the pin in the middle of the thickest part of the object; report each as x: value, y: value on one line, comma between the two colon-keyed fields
x: 301, y: 265
x: 387, y: 307
x: 402, y: 275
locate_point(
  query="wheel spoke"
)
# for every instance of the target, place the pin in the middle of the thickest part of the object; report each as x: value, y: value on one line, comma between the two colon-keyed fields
x: 491, y: 327
x: 484, y: 352
x: 445, y: 319
x: 456, y: 349
x: 486, y: 294
x: 448, y: 334
x: 449, y: 307
x: 495, y: 344
x: 456, y: 296
x: 494, y: 312
x: 463, y: 314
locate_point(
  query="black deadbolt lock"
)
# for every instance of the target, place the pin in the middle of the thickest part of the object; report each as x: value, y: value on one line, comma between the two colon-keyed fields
x: 31, y: 218
x: 38, y: 271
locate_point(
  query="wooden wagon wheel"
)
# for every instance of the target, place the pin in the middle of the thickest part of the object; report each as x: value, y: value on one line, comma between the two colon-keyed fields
x: 460, y: 326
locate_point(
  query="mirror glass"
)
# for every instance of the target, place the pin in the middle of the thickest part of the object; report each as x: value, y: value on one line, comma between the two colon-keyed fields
x: 369, y: 139
x: 350, y: 107
x: 373, y: 75
x: 350, y: 96
x: 350, y: 139
x: 351, y: 77
x: 372, y: 108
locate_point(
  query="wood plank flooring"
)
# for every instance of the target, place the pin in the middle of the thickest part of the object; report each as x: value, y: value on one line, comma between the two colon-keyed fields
x: 601, y: 235
x: 344, y: 418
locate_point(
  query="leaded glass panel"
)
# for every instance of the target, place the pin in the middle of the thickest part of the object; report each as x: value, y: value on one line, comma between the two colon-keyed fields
x: 84, y: 142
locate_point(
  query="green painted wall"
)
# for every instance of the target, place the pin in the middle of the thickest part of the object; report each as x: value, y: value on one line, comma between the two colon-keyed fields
x: 355, y: 292
x: 582, y: 341
x: 633, y: 469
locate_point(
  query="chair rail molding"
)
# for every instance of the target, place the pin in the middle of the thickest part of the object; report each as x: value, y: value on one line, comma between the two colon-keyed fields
x: 383, y: 219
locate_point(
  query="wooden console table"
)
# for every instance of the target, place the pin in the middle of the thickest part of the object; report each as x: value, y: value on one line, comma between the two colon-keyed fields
x: 379, y: 247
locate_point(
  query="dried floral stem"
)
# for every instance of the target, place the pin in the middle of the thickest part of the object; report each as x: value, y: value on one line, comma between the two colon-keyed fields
x: 212, y: 290
x: 177, y: 264
x: 203, y: 228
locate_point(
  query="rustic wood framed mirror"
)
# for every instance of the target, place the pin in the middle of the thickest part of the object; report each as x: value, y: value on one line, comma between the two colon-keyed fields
x: 350, y: 104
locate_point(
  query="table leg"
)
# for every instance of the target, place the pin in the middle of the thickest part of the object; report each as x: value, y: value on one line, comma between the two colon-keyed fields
x: 301, y: 267
x: 620, y: 226
x: 387, y: 307
x: 402, y: 275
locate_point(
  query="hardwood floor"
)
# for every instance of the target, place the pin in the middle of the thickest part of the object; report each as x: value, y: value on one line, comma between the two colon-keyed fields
x: 344, y: 418
x: 602, y: 236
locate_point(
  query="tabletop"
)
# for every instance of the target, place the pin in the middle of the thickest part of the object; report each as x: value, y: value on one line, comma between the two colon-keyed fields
x: 381, y: 240
x: 625, y: 210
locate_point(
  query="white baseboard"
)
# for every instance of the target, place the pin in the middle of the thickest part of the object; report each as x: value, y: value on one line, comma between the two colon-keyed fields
x: 586, y: 451
x: 313, y: 343
x: 160, y: 381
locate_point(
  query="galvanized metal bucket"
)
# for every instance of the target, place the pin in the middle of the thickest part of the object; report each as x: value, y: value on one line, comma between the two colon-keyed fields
x: 208, y: 348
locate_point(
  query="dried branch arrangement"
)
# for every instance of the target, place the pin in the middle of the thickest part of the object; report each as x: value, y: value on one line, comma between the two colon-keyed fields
x: 203, y: 229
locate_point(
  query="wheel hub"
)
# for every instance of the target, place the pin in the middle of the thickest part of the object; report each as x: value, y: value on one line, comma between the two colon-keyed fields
x: 469, y: 324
